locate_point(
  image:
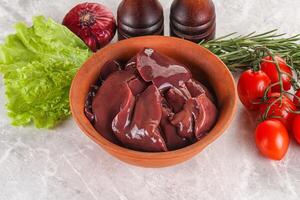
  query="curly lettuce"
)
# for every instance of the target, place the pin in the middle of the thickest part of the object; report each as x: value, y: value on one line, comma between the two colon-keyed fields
x: 38, y: 64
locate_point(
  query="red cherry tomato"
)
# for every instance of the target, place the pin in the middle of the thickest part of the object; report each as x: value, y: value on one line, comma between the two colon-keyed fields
x: 251, y: 87
x: 279, y: 109
x: 295, y: 99
x: 272, y: 139
x: 296, y: 128
x: 270, y: 69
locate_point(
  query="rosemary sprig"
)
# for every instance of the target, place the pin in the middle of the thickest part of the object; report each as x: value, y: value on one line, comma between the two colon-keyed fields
x: 240, y: 52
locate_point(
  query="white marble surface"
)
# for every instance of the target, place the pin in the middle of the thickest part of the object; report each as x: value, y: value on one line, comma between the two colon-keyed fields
x: 64, y: 164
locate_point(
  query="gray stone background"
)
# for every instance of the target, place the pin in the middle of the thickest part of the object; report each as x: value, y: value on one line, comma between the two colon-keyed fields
x: 64, y: 164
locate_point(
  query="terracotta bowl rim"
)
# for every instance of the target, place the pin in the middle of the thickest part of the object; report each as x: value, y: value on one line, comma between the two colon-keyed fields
x: 86, y: 128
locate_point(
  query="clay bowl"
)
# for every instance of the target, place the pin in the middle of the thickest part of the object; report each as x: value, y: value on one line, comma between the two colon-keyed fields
x: 204, y: 65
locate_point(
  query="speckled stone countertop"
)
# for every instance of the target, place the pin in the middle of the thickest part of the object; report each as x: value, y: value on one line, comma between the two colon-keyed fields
x: 64, y: 164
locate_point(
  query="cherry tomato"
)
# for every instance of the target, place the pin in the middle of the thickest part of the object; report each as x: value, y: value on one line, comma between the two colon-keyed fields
x: 296, y: 128
x: 279, y: 109
x: 270, y: 69
x: 251, y: 87
x: 295, y: 99
x: 272, y: 139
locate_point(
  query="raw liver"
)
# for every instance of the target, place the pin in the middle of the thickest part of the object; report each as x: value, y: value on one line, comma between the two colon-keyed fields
x: 142, y: 132
x: 151, y: 105
x: 161, y: 70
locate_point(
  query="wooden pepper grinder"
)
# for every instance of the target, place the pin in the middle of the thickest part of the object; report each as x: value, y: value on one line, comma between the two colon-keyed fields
x: 139, y: 18
x: 194, y: 20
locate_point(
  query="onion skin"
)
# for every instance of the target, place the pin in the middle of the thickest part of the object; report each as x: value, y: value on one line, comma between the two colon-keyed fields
x: 93, y: 23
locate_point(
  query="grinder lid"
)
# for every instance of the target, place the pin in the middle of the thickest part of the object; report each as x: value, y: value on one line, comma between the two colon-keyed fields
x: 140, y: 14
x: 192, y: 13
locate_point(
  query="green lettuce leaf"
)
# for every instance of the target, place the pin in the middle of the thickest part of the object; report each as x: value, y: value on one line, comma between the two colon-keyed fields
x: 38, y: 64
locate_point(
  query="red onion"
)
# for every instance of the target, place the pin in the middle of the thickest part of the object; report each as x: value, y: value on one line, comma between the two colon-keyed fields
x: 93, y: 23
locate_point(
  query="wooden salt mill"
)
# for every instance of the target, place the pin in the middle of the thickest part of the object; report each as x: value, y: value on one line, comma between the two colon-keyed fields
x: 139, y: 18
x: 194, y: 20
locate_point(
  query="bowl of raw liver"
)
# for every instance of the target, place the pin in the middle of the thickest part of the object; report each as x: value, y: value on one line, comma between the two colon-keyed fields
x: 204, y: 66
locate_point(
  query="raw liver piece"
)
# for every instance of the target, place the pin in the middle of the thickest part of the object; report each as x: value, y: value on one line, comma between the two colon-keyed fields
x: 143, y: 134
x: 184, y: 120
x: 173, y: 141
x: 108, y: 100
x: 123, y: 119
x: 137, y: 85
x: 175, y: 99
x: 161, y: 70
x: 183, y: 89
x: 88, y: 110
x: 108, y: 68
x: 196, y: 88
x: 131, y: 64
x: 206, y: 116
x: 196, y: 118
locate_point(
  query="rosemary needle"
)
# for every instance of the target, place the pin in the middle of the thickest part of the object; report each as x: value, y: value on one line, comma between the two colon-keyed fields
x: 238, y: 51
